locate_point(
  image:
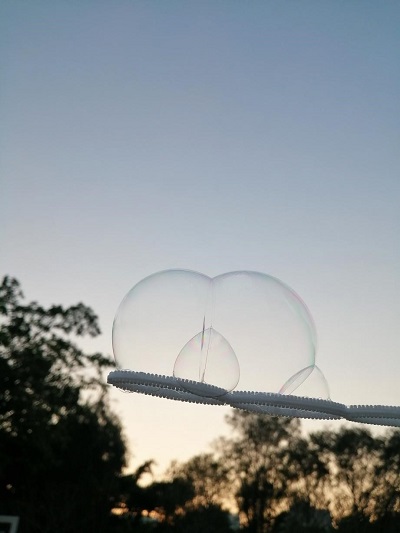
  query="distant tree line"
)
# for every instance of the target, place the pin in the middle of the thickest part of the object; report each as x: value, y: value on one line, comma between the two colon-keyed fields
x: 62, y: 452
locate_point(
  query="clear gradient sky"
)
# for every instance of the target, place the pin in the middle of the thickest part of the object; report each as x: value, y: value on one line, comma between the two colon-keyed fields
x: 138, y: 136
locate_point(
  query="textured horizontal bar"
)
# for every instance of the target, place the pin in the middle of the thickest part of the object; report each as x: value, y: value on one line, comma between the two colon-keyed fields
x: 173, y: 388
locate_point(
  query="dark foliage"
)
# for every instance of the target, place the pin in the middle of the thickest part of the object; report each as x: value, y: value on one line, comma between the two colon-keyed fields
x: 62, y: 453
x: 61, y: 450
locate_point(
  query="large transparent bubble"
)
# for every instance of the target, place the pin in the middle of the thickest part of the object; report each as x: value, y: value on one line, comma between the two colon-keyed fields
x: 242, y: 330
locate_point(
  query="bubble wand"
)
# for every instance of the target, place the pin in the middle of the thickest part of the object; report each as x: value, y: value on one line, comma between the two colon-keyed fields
x: 206, y: 370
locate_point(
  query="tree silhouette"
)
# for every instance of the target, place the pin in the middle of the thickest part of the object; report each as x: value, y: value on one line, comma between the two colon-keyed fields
x: 303, y: 518
x: 347, y: 474
x: 362, y: 488
x: 387, y: 495
x: 208, y: 518
x: 61, y: 449
x: 62, y: 453
x: 207, y: 475
x: 257, y: 458
x: 352, y: 457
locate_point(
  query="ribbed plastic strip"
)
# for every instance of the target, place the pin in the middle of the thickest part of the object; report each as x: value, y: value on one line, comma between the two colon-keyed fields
x: 173, y: 388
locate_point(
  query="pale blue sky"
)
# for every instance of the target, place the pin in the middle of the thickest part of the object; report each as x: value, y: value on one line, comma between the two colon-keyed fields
x: 139, y: 136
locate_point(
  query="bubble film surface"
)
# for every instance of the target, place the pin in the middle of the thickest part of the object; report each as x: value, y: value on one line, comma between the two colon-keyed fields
x: 181, y: 335
x: 242, y: 328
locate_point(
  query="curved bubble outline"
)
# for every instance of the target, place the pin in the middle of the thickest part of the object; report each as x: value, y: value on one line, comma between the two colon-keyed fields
x: 273, y: 404
x: 299, y: 377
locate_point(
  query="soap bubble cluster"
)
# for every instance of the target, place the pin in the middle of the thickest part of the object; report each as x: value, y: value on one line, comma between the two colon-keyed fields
x: 240, y: 328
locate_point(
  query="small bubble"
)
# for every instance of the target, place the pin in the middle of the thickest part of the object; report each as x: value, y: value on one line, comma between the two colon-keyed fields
x: 309, y: 382
x: 208, y: 358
